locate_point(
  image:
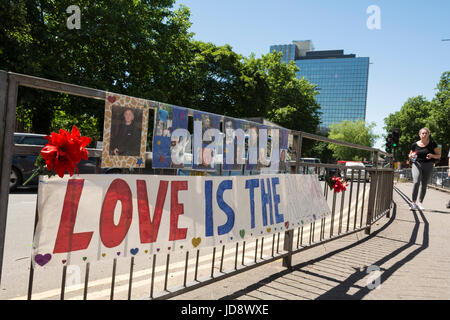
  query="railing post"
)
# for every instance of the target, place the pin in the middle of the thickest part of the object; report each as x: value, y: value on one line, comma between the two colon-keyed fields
x: 8, y: 99
x: 3, y: 207
x: 372, y: 196
x: 390, y: 193
x: 289, y: 235
x: 297, y: 146
x: 287, y: 246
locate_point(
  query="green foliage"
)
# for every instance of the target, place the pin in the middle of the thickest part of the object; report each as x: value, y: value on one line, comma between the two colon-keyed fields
x: 440, y: 115
x: 212, y: 79
x: 85, y: 123
x: 129, y: 47
x: 418, y: 112
x: 142, y: 49
x: 223, y: 82
x: 356, y: 132
x: 410, y: 119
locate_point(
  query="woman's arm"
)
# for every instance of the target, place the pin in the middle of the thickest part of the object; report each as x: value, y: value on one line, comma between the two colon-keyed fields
x: 411, y: 150
x: 436, y: 155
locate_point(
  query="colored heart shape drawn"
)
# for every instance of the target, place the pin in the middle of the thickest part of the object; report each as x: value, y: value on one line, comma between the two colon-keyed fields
x: 157, y: 249
x: 112, y: 99
x: 242, y: 233
x: 118, y: 253
x: 42, y: 259
x: 103, y: 255
x: 196, y: 241
x: 84, y: 258
x: 64, y: 261
x: 269, y: 229
x: 134, y: 251
x: 146, y: 251
x: 286, y: 224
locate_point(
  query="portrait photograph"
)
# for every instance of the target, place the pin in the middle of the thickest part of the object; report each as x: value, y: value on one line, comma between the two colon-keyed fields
x: 125, y: 132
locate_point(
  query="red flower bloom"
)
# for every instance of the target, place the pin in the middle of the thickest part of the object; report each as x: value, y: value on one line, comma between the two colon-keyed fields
x: 338, y: 185
x: 64, y: 151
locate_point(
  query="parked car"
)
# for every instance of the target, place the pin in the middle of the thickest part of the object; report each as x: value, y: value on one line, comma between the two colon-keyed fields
x: 23, y: 164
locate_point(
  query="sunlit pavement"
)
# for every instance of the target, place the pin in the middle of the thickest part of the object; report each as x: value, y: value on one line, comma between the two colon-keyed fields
x: 406, y: 257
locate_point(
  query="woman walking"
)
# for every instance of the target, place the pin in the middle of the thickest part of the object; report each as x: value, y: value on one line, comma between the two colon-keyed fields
x: 422, y: 155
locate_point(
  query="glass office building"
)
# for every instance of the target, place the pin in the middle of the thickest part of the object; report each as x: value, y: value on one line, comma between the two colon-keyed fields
x: 341, y: 80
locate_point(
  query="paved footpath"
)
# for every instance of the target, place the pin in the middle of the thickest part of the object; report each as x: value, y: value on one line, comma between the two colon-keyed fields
x: 406, y: 256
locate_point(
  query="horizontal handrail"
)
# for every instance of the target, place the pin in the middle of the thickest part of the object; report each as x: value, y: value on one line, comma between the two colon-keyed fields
x: 62, y: 87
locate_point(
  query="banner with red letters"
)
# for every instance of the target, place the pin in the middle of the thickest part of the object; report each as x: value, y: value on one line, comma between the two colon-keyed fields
x: 100, y: 217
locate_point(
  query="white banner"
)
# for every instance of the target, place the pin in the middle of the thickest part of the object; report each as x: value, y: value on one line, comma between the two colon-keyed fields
x: 101, y: 217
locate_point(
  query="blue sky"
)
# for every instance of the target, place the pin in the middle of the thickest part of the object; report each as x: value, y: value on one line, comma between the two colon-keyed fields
x: 407, y: 55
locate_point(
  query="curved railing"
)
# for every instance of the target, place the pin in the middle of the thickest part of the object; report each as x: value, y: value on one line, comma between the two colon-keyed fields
x: 368, y: 198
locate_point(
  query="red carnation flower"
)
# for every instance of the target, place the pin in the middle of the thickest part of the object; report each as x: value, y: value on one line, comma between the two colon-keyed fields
x: 338, y: 185
x: 62, y: 152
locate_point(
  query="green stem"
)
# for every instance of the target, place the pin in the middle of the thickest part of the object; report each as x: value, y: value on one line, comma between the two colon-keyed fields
x: 35, y: 173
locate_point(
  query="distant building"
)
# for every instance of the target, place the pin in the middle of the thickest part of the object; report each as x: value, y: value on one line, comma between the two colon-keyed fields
x: 341, y: 79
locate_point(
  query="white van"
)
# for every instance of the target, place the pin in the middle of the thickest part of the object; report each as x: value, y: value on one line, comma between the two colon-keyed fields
x: 358, y: 174
x: 308, y: 169
x: 310, y: 160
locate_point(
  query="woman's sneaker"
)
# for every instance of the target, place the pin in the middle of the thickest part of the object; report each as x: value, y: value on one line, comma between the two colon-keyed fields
x: 420, y: 206
x: 413, y: 206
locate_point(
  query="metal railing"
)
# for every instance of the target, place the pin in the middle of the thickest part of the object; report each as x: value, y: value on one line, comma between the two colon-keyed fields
x: 363, y: 203
x: 439, y: 177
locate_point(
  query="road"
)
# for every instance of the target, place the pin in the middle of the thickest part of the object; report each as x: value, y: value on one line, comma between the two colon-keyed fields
x: 18, y: 245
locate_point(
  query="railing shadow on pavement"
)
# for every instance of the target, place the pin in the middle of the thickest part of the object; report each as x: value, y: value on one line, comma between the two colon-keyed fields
x: 342, y: 288
x: 439, y: 211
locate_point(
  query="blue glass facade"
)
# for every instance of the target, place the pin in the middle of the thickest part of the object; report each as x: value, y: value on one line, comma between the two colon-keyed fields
x: 341, y: 80
x: 342, y: 86
x: 288, y: 51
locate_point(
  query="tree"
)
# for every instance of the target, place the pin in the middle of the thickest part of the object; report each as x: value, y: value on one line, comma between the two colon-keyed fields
x: 356, y: 132
x: 292, y: 100
x: 414, y: 115
x: 130, y: 47
x: 223, y: 82
x: 440, y: 115
x: 418, y: 112
x: 142, y: 49
x: 212, y: 79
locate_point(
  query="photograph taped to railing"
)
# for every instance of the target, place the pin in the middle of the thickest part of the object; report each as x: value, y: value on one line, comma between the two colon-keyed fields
x: 101, y: 218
